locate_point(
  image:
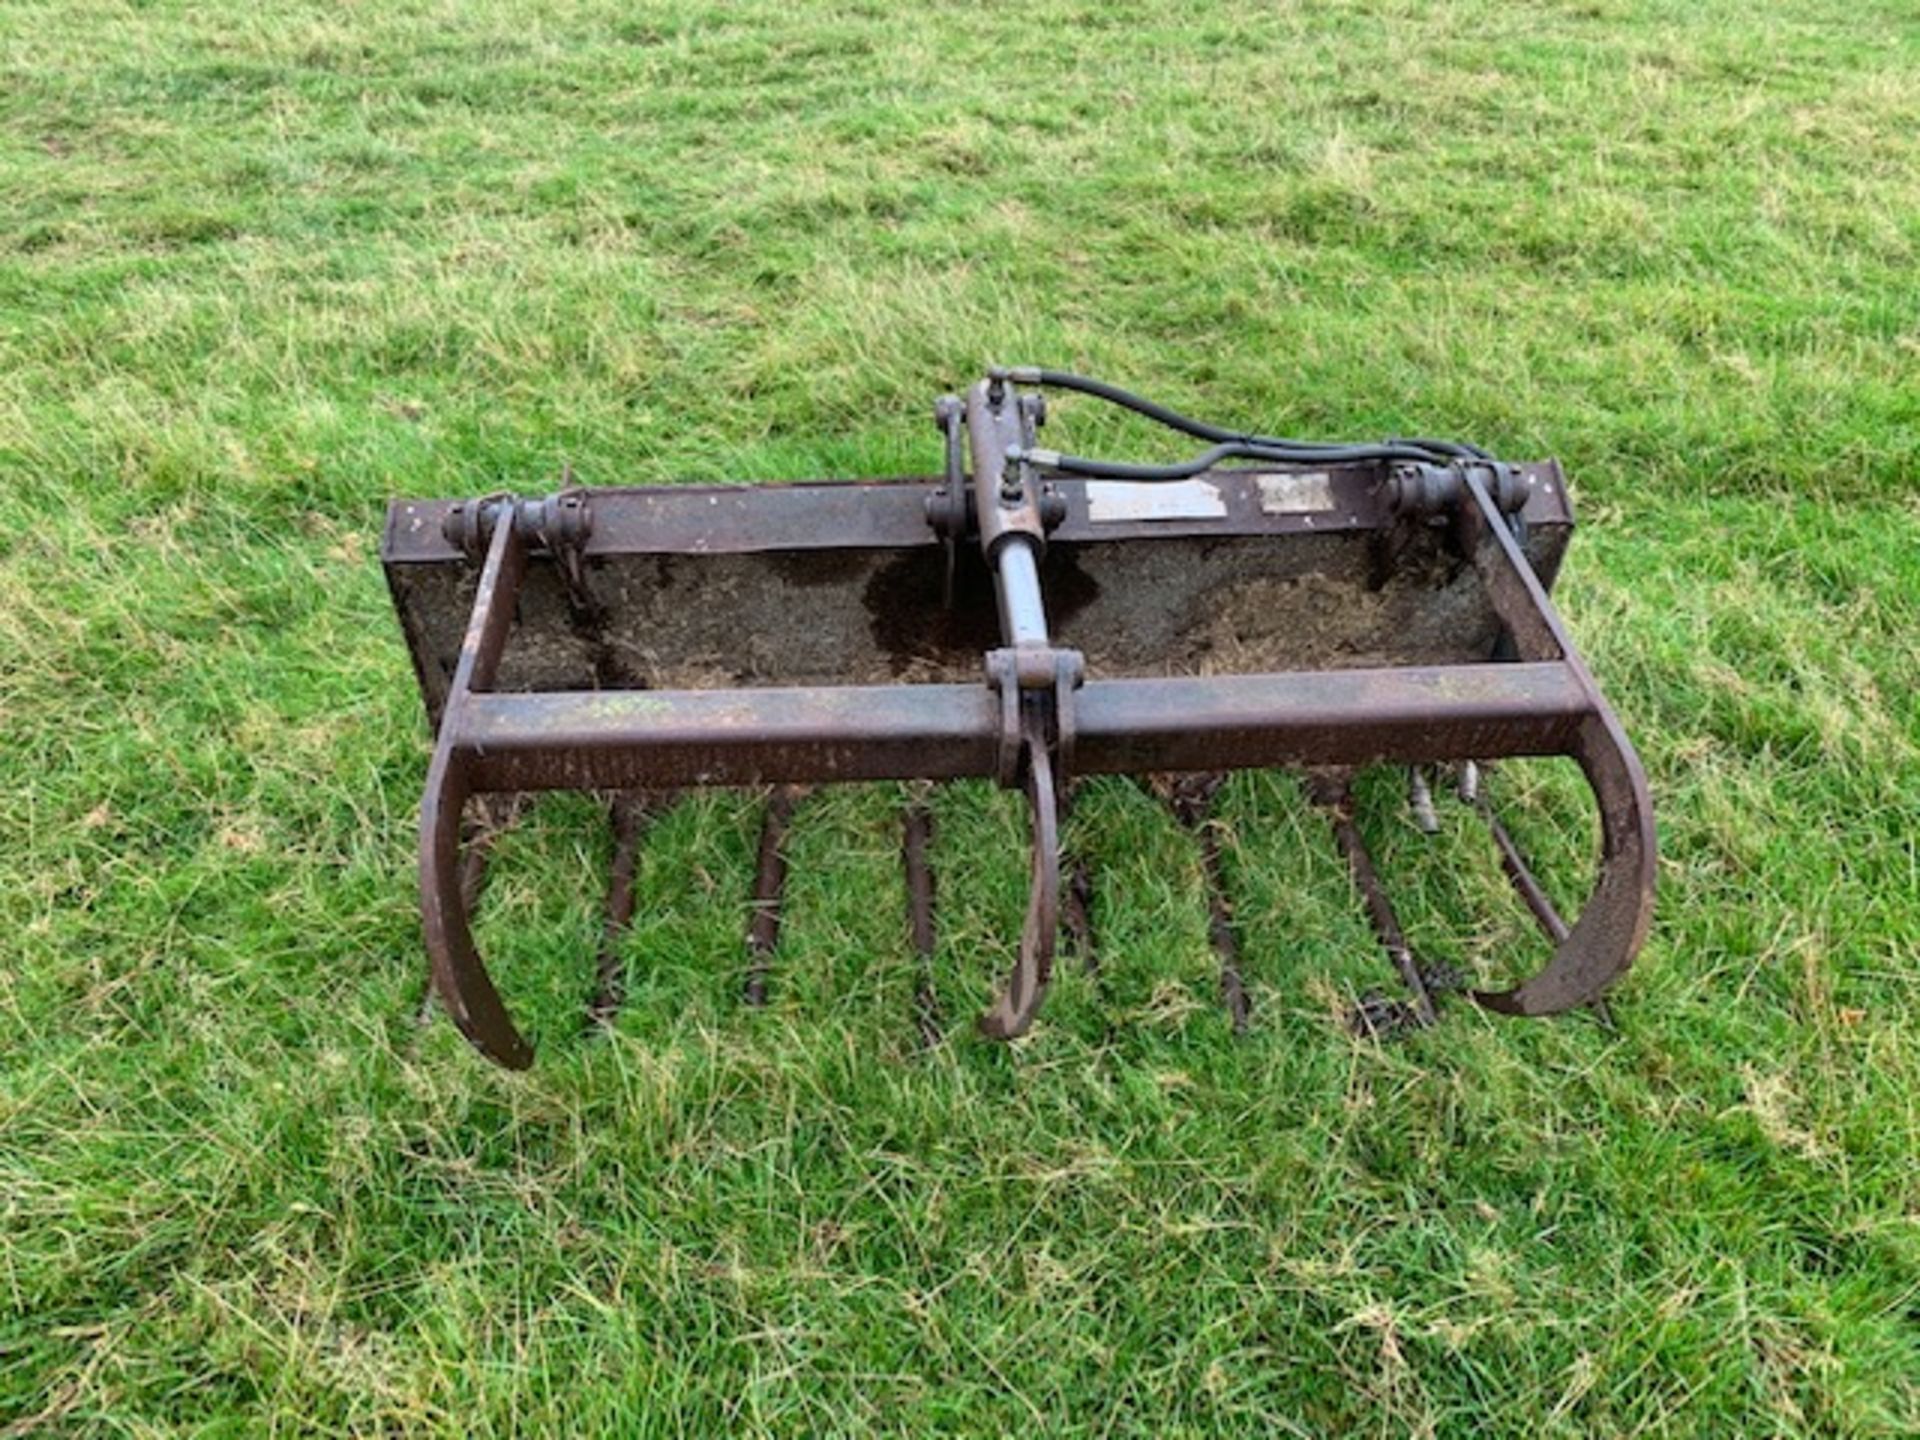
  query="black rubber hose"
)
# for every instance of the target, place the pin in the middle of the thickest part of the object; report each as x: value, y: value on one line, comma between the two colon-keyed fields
x: 1114, y: 395
x: 1207, y: 459
x: 1201, y: 430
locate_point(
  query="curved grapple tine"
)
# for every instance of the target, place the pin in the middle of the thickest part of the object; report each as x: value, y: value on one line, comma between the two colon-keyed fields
x: 477, y: 837
x: 1531, y: 894
x: 1614, y: 923
x: 1012, y: 1013
x: 1611, y: 928
x: 459, y: 975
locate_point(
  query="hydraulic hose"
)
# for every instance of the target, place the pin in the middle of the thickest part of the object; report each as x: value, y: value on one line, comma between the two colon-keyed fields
x: 1227, y: 450
x: 1264, y: 447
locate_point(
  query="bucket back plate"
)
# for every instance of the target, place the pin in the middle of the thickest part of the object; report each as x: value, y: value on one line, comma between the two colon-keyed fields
x: 844, y: 583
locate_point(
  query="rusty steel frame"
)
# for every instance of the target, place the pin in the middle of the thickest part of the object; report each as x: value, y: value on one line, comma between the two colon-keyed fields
x: 1034, y: 722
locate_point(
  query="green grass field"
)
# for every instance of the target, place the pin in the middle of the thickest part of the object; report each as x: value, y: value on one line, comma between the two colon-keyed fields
x: 259, y: 274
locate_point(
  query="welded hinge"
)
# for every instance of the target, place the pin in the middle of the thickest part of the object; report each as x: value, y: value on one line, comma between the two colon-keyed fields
x: 558, y: 524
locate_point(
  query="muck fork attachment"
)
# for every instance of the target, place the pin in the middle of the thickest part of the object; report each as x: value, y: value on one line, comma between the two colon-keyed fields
x: 1030, y: 617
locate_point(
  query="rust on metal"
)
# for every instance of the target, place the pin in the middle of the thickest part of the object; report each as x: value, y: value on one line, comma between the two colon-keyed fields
x: 628, y: 814
x: 769, y: 889
x: 1335, y: 795
x: 1076, y: 918
x: 1026, y: 616
x: 1191, y: 798
x: 480, y: 829
x: 1532, y: 894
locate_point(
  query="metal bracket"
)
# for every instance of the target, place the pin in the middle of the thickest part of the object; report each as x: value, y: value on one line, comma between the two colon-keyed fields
x: 950, y: 508
x: 1436, y: 490
x: 1035, y: 686
x: 558, y: 525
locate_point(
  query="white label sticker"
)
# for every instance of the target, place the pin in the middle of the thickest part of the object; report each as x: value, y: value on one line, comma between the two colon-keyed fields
x: 1153, y: 500
x: 1295, y: 494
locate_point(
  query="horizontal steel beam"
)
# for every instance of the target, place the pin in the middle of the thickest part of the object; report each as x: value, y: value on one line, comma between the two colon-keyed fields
x: 624, y: 739
x: 892, y: 514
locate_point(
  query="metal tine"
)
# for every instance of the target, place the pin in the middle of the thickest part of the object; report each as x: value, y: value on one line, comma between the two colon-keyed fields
x: 769, y: 886
x: 1532, y: 894
x: 1191, y: 799
x: 494, y: 815
x: 630, y: 812
x: 1468, y: 785
x: 1420, y: 801
x: 1019, y: 997
x: 1334, y: 794
x: 918, y: 836
x: 1076, y: 901
x: 1524, y: 883
x: 1076, y: 916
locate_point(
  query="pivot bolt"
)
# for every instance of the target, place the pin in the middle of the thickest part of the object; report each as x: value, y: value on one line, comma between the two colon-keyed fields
x: 1012, y: 489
